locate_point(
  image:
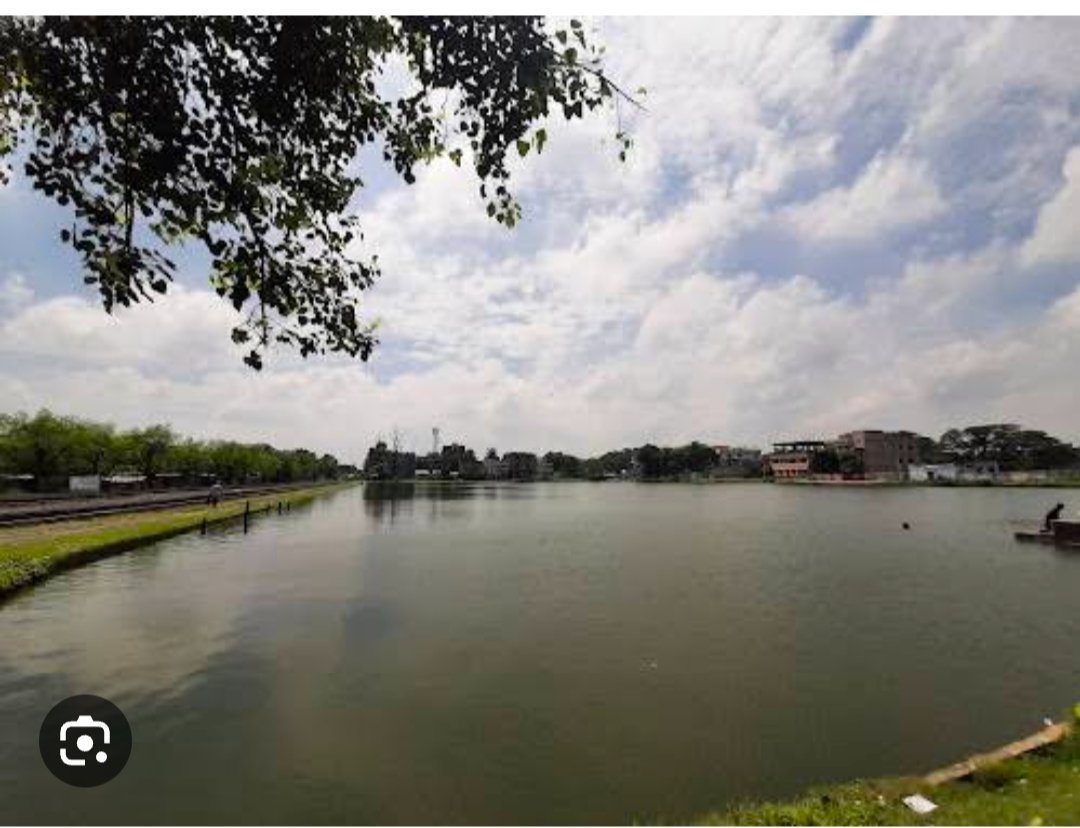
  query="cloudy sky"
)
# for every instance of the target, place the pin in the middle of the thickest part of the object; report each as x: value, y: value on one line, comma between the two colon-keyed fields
x: 824, y: 225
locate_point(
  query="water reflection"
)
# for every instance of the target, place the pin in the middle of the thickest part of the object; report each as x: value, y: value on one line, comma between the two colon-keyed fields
x: 391, y: 501
x: 453, y: 652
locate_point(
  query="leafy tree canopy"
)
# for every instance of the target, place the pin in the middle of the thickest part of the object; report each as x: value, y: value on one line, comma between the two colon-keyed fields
x: 241, y: 134
x: 50, y: 447
x: 1009, y: 445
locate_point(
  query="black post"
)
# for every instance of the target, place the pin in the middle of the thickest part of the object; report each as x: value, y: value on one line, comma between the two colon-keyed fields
x: 203, y: 531
x: 247, y: 512
x: 279, y: 507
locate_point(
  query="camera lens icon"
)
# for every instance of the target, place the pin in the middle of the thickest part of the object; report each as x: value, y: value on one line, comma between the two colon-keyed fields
x: 85, y: 741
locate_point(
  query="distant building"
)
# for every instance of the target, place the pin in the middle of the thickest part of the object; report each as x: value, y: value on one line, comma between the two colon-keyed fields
x: 385, y: 464
x: 521, y: 465
x: 734, y: 455
x: 428, y: 465
x: 931, y: 472
x: 736, y: 461
x: 976, y: 471
x: 453, y: 458
x: 494, y: 467
x: 794, y: 459
x: 973, y: 472
x: 884, y: 454
x: 17, y: 482
x: 85, y: 483
x: 124, y: 481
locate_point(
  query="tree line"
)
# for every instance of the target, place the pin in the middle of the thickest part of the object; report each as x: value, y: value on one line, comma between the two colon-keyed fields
x: 1008, y: 445
x: 647, y: 461
x: 51, y: 447
x: 1011, y: 446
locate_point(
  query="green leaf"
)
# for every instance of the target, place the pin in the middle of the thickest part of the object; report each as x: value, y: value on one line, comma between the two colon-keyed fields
x: 267, y: 167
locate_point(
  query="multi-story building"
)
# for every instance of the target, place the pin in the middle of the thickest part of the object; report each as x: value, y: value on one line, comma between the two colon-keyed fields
x: 736, y: 461
x: 884, y: 454
x: 794, y: 459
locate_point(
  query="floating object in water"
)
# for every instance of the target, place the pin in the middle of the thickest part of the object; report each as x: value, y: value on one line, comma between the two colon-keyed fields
x: 906, y: 525
x: 1036, y: 537
x: 919, y: 804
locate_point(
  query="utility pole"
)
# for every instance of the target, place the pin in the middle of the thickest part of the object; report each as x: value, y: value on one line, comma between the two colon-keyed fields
x: 397, y: 453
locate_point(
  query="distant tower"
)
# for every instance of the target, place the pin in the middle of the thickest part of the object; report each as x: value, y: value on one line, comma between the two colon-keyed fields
x: 435, y: 440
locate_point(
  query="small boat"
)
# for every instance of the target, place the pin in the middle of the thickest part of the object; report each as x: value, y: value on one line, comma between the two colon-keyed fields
x: 1035, y: 537
x: 1063, y: 533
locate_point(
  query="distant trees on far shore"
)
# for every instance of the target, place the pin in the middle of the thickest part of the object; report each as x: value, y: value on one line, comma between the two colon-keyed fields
x: 51, y: 447
x: 1011, y: 446
x: 647, y: 462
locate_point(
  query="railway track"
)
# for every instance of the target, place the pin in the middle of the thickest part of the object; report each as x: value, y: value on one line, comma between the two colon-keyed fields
x: 29, y: 515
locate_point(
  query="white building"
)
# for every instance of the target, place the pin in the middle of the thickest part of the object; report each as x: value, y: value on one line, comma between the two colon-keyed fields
x: 928, y: 472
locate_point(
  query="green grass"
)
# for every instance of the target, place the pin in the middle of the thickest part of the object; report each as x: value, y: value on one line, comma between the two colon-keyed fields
x: 1039, y: 788
x: 31, y: 553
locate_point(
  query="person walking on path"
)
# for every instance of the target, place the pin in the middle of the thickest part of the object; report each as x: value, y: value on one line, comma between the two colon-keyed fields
x: 215, y: 494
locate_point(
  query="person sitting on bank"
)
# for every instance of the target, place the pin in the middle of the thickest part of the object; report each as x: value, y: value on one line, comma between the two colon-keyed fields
x: 215, y: 494
x: 1051, y: 516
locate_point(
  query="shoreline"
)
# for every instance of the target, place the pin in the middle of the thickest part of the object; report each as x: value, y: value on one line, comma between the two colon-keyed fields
x: 705, y: 481
x: 1031, y: 781
x: 31, y: 553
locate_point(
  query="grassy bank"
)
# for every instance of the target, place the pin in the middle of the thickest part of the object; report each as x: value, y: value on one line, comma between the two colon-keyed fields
x: 1038, y: 788
x: 31, y: 553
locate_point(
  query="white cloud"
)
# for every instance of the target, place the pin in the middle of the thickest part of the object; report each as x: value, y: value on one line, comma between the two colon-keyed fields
x: 1056, y: 237
x: 15, y: 293
x: 614, y: 314
x: 892, y: 192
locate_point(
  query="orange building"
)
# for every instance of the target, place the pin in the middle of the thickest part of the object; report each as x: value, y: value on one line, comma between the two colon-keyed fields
x: 792, y: 460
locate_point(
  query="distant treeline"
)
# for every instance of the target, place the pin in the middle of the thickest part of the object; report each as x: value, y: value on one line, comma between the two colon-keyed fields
x: 51, y: 447
x: 647, y: 461
x: 653, y: 462
x: 1011, y: 447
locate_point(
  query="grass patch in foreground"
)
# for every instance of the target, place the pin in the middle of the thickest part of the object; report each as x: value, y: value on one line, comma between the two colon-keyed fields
x: 1039, y: 788
x: 31, y: 553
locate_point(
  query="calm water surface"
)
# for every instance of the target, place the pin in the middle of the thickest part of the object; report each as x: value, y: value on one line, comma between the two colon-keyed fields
x: 544, y: 653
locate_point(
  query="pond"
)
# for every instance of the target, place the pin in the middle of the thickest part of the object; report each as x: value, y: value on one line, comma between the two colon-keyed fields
x: 545, y: 653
